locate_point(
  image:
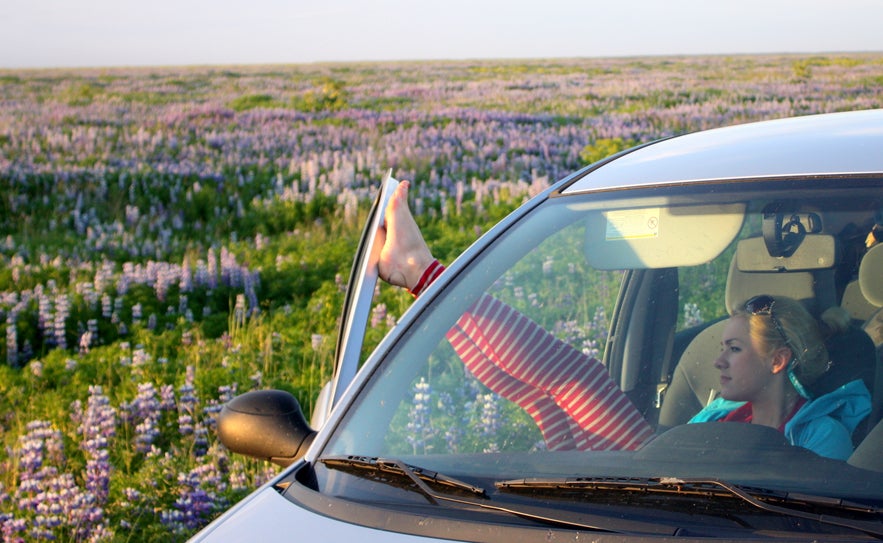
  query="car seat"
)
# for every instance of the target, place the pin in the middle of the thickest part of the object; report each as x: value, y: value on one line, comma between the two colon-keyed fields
x: 806, y: 276
x: 863, y: 296
x: 855, y: 303
x: 867, y: 454
x: 870, y: 280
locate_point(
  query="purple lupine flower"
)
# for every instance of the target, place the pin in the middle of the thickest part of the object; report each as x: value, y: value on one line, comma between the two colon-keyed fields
x: 489, y: 420
x: 378, y: 315
x: 146, y: 433
x: 136, y: 312
x: 11, y: 528
x: 62, y: 312
x: 144, y: 412
x: 197, y: 498
x: 61, y: 503
x: 117, y: 310
x: 52, y: 499
x: 97, y: 425
x: 185, y: 283
x: 140, y: 357
x: 187, y: 404
x: 238, y: 478
x: 45, y: 318
x: 12, y: 357
x: 85, y: 342
x: 103, y: 278
x: 201, y: 430
x: 39, y: 447
x: 212, y: 269
x: 419, y: 425
x: 692, y: 315
x: 454, y: 432
x: 167, y: 398
x: 251, y: 283
x: 208, y: 424
x: 185, y: 424
x: 126, y: 358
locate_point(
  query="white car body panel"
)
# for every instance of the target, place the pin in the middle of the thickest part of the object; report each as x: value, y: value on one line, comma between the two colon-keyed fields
x: 267, y: 517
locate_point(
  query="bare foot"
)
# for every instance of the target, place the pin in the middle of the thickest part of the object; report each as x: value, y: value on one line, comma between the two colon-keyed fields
x: 404, y: 255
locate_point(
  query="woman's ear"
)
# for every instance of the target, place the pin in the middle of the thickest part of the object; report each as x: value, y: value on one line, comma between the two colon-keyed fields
x: 780, y: 359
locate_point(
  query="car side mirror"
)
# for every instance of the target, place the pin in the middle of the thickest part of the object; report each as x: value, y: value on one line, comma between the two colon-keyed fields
x: 265, y: 424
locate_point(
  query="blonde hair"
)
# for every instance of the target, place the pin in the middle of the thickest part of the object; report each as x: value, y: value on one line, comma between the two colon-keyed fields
x: 804, y: 336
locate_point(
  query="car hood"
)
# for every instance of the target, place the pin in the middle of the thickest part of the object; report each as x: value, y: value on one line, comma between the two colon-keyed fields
x: 266, y: 516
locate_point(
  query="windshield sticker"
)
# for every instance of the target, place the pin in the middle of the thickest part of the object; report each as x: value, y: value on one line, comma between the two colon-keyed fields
x: 632, y: 224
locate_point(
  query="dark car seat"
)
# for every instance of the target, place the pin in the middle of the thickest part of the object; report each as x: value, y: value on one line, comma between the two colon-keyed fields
x: 806, y: 277
x: 867, y: 454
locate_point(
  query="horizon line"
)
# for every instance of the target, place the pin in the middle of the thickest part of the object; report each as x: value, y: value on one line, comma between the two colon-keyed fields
x: 438, y: 60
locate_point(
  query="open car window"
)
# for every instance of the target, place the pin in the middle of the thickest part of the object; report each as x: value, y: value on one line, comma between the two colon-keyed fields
x: 357, y: 306
x: 560, y: 349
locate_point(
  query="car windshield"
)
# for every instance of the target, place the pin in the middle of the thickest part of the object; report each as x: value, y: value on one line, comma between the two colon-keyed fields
x: 582, y: 339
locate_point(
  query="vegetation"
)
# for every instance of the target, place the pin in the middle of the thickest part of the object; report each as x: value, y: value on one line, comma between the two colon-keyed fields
x: 172, y: 237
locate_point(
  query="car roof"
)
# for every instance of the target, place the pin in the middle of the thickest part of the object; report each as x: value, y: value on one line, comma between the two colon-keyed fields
x: 848, y: 143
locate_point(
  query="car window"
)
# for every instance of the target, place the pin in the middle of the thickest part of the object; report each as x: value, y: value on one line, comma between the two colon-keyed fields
x: 451, y: 409
x: 493, y: 362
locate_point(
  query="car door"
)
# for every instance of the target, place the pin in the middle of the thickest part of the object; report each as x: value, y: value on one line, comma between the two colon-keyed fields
x: 357, y: 306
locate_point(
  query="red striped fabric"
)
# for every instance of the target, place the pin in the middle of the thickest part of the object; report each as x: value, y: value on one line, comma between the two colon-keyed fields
x: 569, y: 395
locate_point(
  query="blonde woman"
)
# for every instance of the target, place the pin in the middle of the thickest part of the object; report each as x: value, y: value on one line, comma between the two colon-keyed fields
x: 772, y: 350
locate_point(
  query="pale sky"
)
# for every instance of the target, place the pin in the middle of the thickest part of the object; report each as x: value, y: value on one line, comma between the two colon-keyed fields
x: 105, y: 33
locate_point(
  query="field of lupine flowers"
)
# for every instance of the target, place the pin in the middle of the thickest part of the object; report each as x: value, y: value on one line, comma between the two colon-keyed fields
x: 171, y: 237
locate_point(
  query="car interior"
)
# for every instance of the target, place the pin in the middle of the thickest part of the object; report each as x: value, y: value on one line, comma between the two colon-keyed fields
x: 807, y: 272
x: 745, y: 245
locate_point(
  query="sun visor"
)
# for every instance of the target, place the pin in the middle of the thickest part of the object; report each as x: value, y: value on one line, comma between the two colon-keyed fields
x: 661, y: 237
x: 815, y: 252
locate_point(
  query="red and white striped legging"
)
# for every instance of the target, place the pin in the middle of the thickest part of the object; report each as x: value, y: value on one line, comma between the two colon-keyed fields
x: 569, y: 395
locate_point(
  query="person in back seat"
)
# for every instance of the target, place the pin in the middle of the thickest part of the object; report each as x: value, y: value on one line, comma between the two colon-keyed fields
x: 772, y: 350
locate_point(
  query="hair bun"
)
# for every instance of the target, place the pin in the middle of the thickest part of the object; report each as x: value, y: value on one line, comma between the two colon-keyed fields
x: 834, y: 320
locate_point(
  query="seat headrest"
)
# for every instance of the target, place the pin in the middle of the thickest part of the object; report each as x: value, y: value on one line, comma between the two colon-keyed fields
x: 870, y: 275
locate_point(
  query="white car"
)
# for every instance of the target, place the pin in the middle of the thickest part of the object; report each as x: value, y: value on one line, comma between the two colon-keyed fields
x: 542, y: 388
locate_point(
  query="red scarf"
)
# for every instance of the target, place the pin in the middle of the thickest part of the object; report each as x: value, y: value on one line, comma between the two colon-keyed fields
x: 745, y: 414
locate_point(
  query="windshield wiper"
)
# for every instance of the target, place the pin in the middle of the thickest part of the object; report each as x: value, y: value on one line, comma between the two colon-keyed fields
x: 756, y: 497
x: 379, y: 468
x: 419, y: 476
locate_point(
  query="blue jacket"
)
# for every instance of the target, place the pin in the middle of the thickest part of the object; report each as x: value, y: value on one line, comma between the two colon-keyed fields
x: 823, y: 425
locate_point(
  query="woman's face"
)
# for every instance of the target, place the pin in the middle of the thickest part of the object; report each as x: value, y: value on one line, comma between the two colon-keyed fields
x: 745, y: 373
